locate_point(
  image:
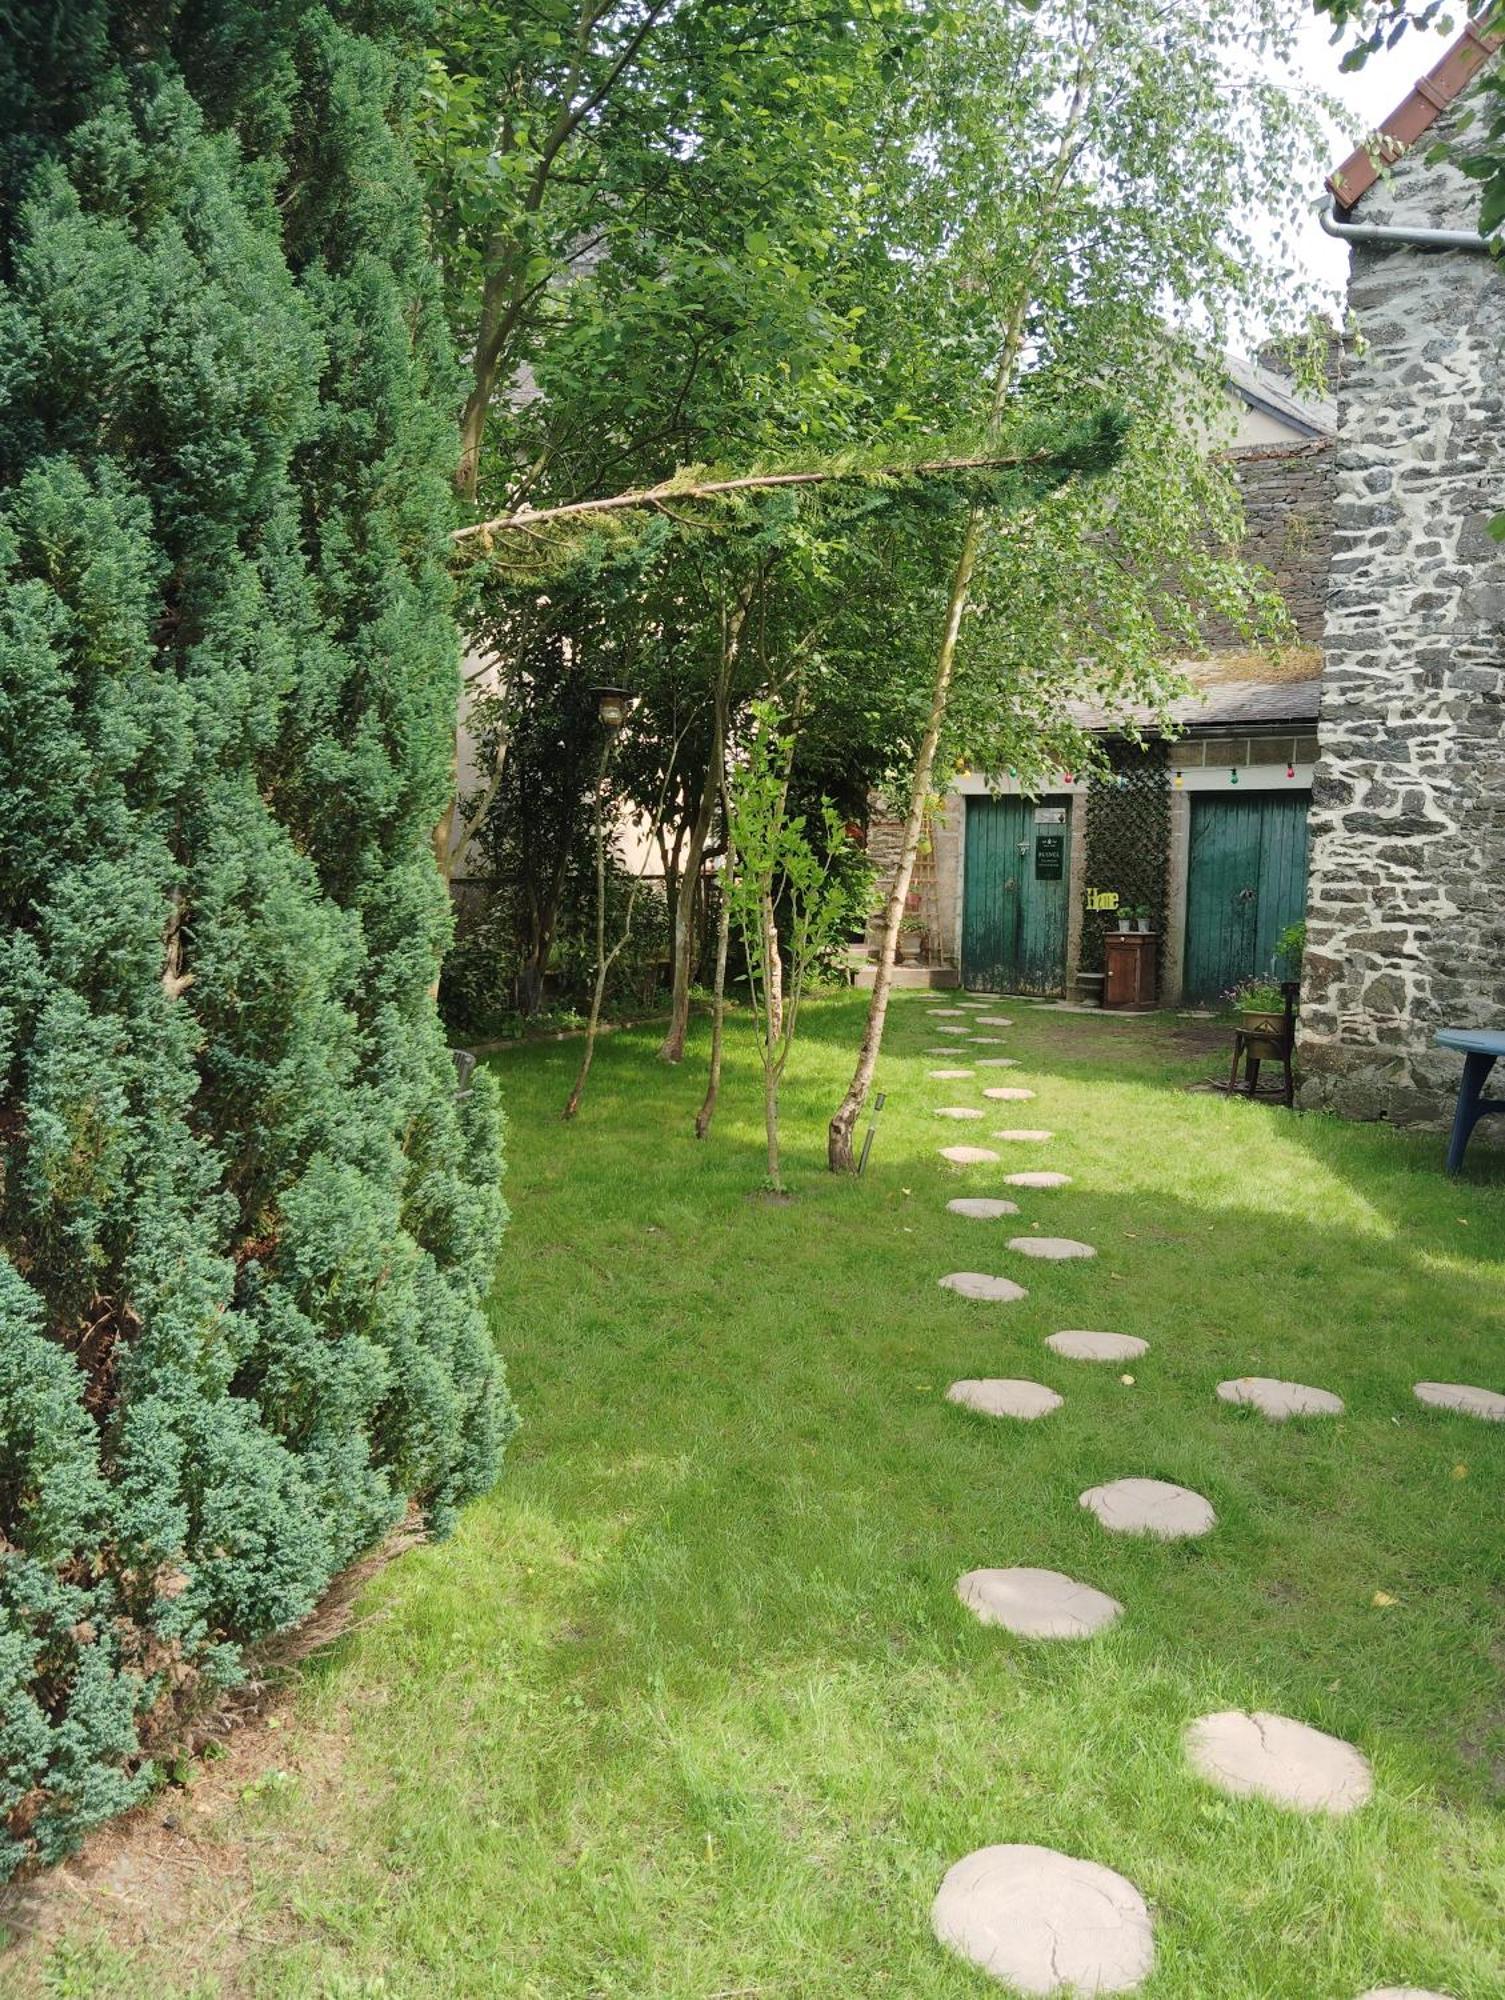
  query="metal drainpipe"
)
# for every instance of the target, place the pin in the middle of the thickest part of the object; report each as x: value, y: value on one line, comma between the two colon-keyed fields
x: 1414, y: 238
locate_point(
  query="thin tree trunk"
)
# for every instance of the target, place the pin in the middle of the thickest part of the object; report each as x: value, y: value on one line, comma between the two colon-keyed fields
x: 775, y: 965
x: 707, y: 1109
x: 673, y: 1046
x: 840, y: 1156
x: 771, y: 1125
x: 602, y: 962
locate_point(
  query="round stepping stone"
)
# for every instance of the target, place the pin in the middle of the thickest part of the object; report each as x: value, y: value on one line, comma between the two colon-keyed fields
x: 937, y: 1012
x: 969, y: 1156
x: 948, y: 1075
x: 998, y: 1062
x: 1005, y: 1397
x: 982, y: 1208
x: 946, y: 1051
x: 1023, y: 1132
x: 1279, y: 1400
x: 956, y: 1111
x: 1036, y: 1180
x: 1403, y: 1993
x: 1466, y: 1401
x: 994, y: 1021
x: 1042, y: 1922
x: 990, y: 1041
x: 1077, y: 1346
x: 980, y: 1285
x: 1271, y: 1757
x: 1150, y: 1507
x: 1053, y: 1249
x: 1037, y: 1603
x: 1008, y: 1093
x: 946, y: 1029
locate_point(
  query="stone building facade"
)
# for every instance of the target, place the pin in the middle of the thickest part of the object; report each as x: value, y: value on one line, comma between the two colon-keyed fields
x: 1406, y: 914
x: 1248, y: 730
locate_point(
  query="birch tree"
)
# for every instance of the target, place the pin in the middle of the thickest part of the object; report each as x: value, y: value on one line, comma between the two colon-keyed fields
x: 1094, y: 170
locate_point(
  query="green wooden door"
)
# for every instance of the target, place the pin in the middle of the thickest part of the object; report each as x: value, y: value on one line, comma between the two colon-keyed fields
x: 1246, y: 881
x: 1018, y: 864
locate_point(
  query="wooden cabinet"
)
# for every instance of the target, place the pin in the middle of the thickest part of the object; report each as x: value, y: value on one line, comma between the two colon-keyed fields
x: 1131, y: 958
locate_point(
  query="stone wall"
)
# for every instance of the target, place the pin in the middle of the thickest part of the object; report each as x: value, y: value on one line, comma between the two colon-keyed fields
x: 1287, y: 491
x: 1406, y: 922
x: 936, y: 883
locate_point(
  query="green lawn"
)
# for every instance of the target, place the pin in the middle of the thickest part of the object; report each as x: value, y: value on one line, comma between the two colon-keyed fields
x: 688, y: 1709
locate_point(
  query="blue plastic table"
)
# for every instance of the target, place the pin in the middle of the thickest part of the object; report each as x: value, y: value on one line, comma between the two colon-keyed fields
x: 1480, y: 1047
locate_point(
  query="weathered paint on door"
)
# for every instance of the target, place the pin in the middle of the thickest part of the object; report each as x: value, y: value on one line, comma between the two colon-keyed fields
x: 1246, y: 881
x: 1014, y: 918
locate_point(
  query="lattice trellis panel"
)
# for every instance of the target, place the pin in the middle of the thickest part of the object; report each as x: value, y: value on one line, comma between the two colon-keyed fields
x: 1128, y: 841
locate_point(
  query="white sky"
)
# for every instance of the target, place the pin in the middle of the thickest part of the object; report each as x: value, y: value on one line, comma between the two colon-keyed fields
x: 1369, y: 95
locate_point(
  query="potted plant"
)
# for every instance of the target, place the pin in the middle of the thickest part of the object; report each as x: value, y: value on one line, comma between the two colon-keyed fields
x: 1141, y: 915
x: 1261, y: 1009
x: 1290, y: 948
x: 910, y: 926
x: 1126, y: 916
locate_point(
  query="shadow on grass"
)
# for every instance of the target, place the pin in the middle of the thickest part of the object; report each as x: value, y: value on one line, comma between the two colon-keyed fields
x: 790, y: 1366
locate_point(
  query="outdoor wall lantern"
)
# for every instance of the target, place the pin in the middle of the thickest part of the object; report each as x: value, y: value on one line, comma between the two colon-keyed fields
x: 613, y: 706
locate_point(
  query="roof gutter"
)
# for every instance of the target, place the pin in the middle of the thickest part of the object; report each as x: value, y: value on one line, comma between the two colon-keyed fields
x: 1414, y: 238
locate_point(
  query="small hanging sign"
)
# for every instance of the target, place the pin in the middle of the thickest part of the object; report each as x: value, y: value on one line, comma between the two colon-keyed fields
x: 1050, y: 815
x: 1050, y: 856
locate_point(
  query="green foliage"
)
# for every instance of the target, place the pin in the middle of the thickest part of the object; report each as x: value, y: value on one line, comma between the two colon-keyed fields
x: 1290, y: 949
x: 1255, y: 996
x: 246, y: 1227
x: 794, y: 894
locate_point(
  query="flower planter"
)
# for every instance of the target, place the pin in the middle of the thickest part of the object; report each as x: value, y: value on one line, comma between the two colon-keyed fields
x: 1266, y: 1032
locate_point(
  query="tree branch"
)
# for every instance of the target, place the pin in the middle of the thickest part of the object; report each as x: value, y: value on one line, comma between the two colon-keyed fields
x: 654, y: 496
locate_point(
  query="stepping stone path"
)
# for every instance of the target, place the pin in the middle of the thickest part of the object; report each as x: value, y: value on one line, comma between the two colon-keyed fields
x: 1279, y: 1400
x: 1043, y: 1922
x: 1150, y: 1507
x: 1005, y: 1397
x: 1078, y: 1346
x: 1037, y: 1603
x: 948, y: 1075
x: 980, y: 1285
x: 1047, y: 1923
x: 1271, y: 1757
x: 1465, y: 1401
x: 1053, y: 1249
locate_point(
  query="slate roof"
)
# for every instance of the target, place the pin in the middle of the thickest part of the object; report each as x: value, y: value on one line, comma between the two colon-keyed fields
x: 1231, y: 691
x: 1261, y: 389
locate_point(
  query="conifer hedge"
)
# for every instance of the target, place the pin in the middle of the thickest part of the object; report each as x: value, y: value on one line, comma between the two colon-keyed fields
x: 246, y: 1224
